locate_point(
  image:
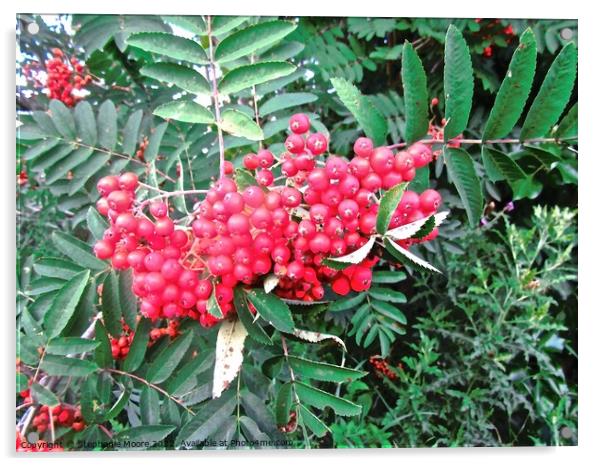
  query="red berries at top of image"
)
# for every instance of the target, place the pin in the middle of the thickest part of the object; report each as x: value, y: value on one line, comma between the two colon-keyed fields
x: 306, y: 206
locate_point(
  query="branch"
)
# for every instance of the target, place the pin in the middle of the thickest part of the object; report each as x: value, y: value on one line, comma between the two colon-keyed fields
x: 215, y: 96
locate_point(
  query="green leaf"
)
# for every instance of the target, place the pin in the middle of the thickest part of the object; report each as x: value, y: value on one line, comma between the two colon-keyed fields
x: 405, y: 256
x: 138, y: 347
x: 142, y: 437
x: 313, y: 422
x: 347, y: 303
x: 85, y: 123
x: 62, y: 167
x: 87, y: 170
x: 172, y: 46
x: 390, y: 311
x: 239, y: 124
x: 514, y: 91
x: 149, y: 406
x: 43, y: 396
x: 223, y: 24
x: 64, y: 303
x: 167, y: 361
x: 185, y: 111
x: 252, y: 38
x: 553, y: 94
x: 103, y: 355
x: 107, y: 125
x: 254, y: 329
x: 246, y: 76
x: 21, y: 382
x: 213, y: 307
x: 500, y: 166
x: 244, y: 178
x: 208, y: 419
x: 286, y: 100
x: 322, y: 371
x: 182, y: 76
x: 70, y: 345
x: 68, y: 367
x: 111, y: 307
x: 458, y: 83
x: 96, y: 223
x: 129, y: 305
x: 284, y: 401
x: 414, y: 94
x: 39, y: 149
x: 388, y: 204
x: 461, y: 171
x: 568, y: 125
x: 272, y: 309
x: 321, y: 399
x: 131, y: 132
x: 56, y: 268
x: 387, y: 294
x: 62, y: 119
x: 369, y: 118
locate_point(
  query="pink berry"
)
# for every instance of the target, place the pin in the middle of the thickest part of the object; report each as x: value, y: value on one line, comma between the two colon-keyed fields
x: 299, y: 123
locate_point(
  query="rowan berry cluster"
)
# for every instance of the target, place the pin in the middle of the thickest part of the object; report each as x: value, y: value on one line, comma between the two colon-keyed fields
x: 382, y: 367
x: 62, y: 415
x: 240, y: 234
x: 120, y: 346
x: 64, y: 76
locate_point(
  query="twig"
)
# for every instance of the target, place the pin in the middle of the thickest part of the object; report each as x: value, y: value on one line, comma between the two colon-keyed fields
x: 488, y: 141
x: 218, y: 117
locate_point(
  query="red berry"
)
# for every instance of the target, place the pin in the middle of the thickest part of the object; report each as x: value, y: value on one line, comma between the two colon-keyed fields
x: 103, y: 249
x: 128, y: 181
x: 341, y: 285
x: 158, y: 209
x: 317, y: 143
x: 299, y: 123
x: 295, y: 144
x: 250, y: 161
x: 363, y: 147
x: 430, y: 200
x: 265, y: 158
x: 382, y: 160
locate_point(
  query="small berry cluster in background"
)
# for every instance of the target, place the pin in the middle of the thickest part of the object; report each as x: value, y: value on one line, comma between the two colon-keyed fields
x: 493, y: 32
x: 62, y: 416
x: 382, y: 368
x: 322, y: 208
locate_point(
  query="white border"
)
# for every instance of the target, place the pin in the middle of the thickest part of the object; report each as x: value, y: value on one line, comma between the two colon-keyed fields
x: 589, y: 203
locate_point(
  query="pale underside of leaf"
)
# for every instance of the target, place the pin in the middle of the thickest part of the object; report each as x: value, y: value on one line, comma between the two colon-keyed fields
x: 356, y: 256
x: 316, y: 337
x: 413, y: 258
x: 228, y: 354
x: 408, y: 230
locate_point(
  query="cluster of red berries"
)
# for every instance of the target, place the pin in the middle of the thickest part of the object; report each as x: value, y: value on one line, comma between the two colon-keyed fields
x: 142, y: 148
x: 490, y: 29
x: 324, y: 209
x: 120, y: 346
x: 64, y: 76
x: 382, y: 368
x: 62, y: 415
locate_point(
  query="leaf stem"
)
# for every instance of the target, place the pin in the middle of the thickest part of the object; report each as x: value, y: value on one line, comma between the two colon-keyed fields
x: 489, y: 141
x: 218, y: 117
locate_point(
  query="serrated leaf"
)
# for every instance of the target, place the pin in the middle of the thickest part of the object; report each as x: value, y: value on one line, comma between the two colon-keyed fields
x: 347, y: 303
x: 426, y: 228
x: 131, y: 132
x: 70, y: 345
x: 213, y: 307
x: 410, y: 229
x: 40, y: 148
x: 390, y: 311
x: 208, y: 419
x: 111, y: 307
x: 107, y: 125
x: 458, y: 83
x: 414, y: 94
x: 356, y: 256
x: 170, y: 45
x: 316, y: 337
x: 387, y: 294
x: 56, y: 268
x: 43, y: 396
x: 69, y: 367
x: 369, y: 118
x: 461, y: 171
x: 402, y: 254
x: 127, y: 299
x: 514, y: 91
x: 182, y: 76
x: 568, y: 126
x: 322, y: 371
x: 388, y: 204
x: 286, y: 100
x: 252, y: 38
x: 313, y: 422
x: 85, y: 123
x: 553, y: 94
x: 272, y: 309
x: 138, y: 347
x: 82, y: 173
x: 62, y: 118
x: 64, y: 303
x: 255, y: 331
x: 96, y: 223
x: 247, y: 76
x: 500, y: 166
x: 167, y: 361
x: 239, y: 124
x: 142, y: 437
x: 149, y: 406
x: 321, y: 399
x: 284, y: 401
x: 185, y: 111
x: 228, y: 354
x: 103, y: 354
